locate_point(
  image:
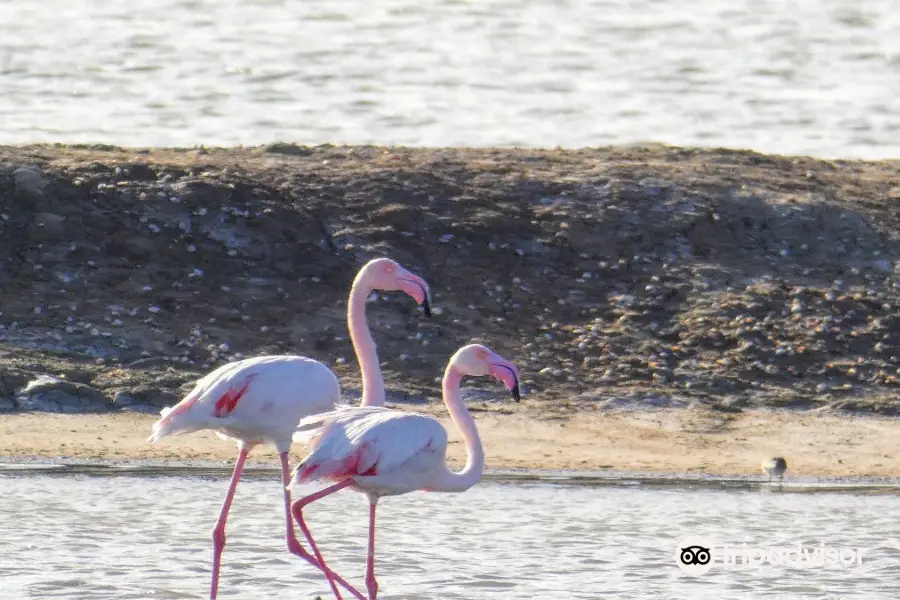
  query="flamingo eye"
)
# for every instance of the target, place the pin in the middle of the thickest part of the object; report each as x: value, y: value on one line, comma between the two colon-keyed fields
x: 388, y: 269
x: 482, y: 355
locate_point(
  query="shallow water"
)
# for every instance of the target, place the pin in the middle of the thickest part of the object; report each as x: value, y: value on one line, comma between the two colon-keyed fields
x: 809, y: 76
x: 84, y: 536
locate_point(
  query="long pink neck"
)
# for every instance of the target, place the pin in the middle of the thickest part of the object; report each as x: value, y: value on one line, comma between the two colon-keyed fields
x: 364, y: 346
x: 462, y: 418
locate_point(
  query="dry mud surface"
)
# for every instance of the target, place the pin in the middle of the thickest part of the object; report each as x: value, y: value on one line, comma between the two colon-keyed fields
x: 616, y: 278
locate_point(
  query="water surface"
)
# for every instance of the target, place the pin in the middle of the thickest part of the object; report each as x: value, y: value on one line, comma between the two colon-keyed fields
x: 816, y: 77
x: 84, y: 536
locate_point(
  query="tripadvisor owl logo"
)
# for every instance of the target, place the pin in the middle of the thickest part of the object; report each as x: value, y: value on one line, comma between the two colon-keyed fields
x: 693, y: 555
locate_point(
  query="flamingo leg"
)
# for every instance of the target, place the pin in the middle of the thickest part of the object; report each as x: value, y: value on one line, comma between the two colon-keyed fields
x: 294, y: 546
x: 297, y: 511
x: 371, y: 583
x: 218, y: 534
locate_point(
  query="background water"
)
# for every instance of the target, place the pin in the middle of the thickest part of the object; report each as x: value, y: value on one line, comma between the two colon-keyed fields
x: 818, y: 77
x: 87, y: 537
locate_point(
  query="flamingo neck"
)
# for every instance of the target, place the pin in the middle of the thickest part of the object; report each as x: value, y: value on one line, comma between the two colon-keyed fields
x: 462, y: 418
x: 364, y: 346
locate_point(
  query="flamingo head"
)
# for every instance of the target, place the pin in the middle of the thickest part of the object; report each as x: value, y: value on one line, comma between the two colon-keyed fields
x: 386, y: 274
x: 479, y: 360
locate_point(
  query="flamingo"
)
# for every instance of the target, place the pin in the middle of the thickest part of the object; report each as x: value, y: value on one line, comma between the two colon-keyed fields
x: 384, y: 452
x: 262, y: 399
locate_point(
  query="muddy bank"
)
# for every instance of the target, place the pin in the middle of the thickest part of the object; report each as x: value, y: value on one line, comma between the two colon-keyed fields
x: 625, y: 276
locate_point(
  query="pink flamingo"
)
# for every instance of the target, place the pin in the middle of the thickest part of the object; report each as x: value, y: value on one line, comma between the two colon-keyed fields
x: 261, y: 400
x: 384, y: 452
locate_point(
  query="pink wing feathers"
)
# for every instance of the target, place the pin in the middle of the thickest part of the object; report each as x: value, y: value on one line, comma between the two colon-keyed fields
x: 365, y: 441
x: 228, y: 401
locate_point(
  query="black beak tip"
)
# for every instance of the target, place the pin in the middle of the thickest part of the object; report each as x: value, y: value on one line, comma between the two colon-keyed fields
x: 516, y: 394
x: 427, y: 299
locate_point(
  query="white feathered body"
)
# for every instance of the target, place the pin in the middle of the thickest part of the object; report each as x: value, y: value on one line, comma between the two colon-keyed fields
x: 387, y: 452
x: 258, y: 400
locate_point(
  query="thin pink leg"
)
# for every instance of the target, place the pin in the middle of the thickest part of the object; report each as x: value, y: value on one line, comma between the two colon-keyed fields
x: 219, y: 530
x: 297, y: 511
x: 371, y: 584
x: 293, y: 543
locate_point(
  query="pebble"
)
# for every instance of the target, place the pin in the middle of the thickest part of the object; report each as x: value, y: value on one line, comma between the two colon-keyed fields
x: 590, y: 361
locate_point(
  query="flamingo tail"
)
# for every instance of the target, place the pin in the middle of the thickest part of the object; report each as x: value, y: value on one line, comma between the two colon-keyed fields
x: 162, y: 427
x: 173, y: 422
x: 309, y: 428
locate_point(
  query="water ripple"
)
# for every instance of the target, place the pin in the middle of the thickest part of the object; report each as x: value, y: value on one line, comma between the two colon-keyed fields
x: 130, y: 536
x: 818, y: 78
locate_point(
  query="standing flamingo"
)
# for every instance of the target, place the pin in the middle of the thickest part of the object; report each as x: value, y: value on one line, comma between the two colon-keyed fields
x: 261, y: 400
x: 384, y: 452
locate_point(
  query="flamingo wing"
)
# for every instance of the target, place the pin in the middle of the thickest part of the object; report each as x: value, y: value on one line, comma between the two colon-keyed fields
x: 366, y: 441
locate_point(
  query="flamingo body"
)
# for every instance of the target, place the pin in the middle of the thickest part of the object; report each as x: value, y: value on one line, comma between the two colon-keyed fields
x: 255, y: 400
x: 386, y: 452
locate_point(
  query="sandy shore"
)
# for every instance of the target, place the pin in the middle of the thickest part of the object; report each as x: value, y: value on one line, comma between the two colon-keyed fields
x: 670, y: 441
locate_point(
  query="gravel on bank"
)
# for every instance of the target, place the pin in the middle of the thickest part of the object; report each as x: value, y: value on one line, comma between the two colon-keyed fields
x: 639, y: 276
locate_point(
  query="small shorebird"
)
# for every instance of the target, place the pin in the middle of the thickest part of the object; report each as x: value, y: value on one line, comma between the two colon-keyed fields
x: 775, y: 467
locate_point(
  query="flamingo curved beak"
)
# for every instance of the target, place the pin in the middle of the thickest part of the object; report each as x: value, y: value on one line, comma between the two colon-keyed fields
x: 418, y: 289
x: 507, y: 373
